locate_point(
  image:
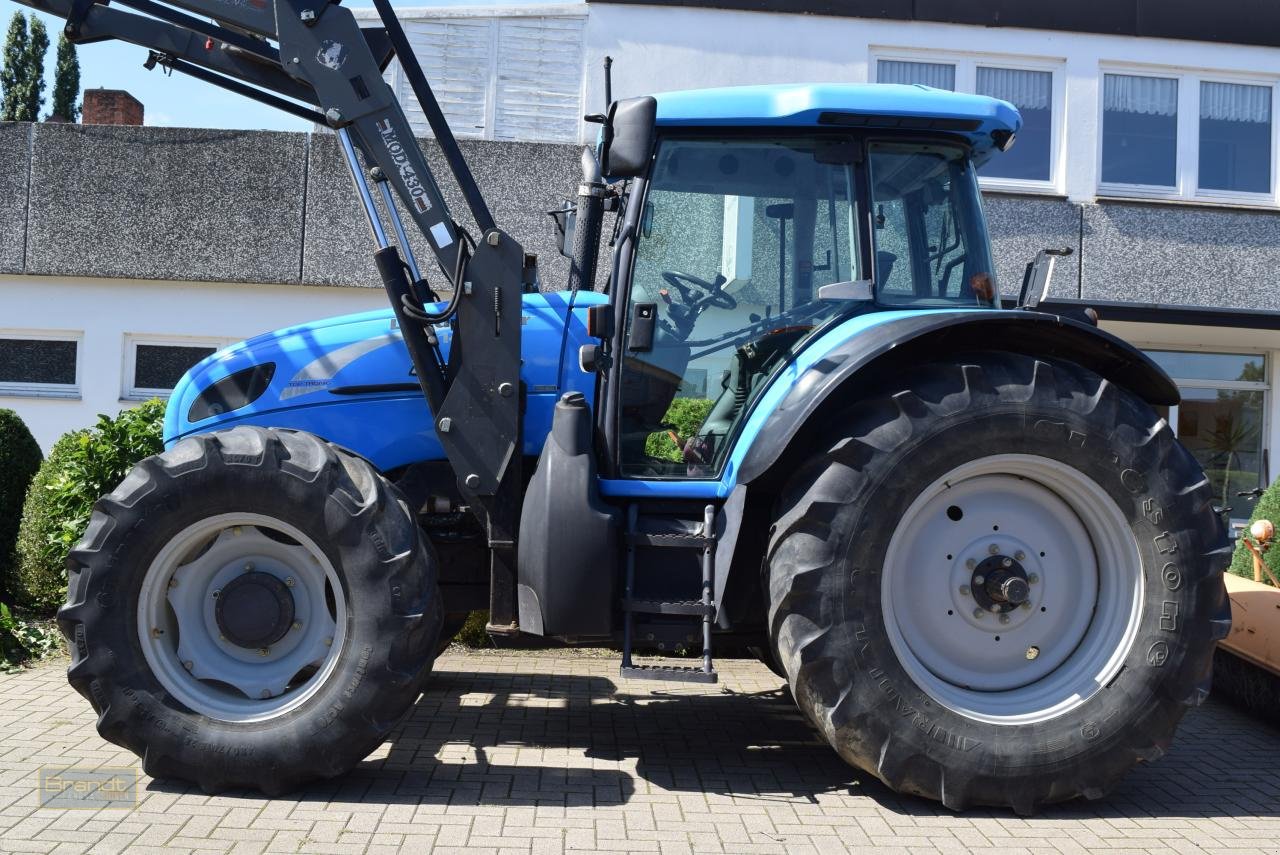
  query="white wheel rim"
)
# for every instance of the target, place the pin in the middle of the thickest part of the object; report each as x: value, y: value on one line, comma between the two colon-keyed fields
x: 1031, y: 661
x: 180, y: 634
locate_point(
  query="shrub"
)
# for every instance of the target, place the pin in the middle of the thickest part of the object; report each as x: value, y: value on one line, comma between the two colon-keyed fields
x: 20, y: 458
x: 22, y: 641
x: 82, y: 466
x: 687, y: 414
x: 1268, y: 508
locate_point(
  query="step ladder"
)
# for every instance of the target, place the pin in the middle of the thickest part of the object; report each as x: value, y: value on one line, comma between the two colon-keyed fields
x: 655, y: 532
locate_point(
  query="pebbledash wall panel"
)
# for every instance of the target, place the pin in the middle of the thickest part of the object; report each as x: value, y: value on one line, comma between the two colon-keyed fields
x: 165, y: 203
x: 175, y: 204
x: 15, y: 161
x: 1181, y: 255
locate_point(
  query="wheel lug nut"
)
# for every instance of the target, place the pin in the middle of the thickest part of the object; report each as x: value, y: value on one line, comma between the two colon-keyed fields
x: 156, y: 632
x: 994, y: 608
x: 964, y: 590
x: 971, y: 564
x: 266, y: 693
x: 289, y: 582
x: 248, y: 567
x: 993, y: 549
x: 263, y: 651
x: 1004, y: 618
x: 979, y: 579
x: 297, y: 624
x: 979, y: 614
x: 1026, y: 605
x: 328, y: 642
x: 1020, y: 555
x: 173, y: 582
x: 1033, y: 578
x: 1033, y: 652
x: 188, y: 664
x: 1008, y: 562
x: 217, y: 593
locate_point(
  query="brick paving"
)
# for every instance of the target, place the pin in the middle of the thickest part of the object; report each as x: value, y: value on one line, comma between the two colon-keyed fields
x: 542, y: 753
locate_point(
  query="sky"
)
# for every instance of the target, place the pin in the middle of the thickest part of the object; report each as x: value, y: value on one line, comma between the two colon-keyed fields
x: 179, y: 100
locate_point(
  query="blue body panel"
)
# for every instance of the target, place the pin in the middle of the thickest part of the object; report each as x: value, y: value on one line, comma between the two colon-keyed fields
x: 393, y: 427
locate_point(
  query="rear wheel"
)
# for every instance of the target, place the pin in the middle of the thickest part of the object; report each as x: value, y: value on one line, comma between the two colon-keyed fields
x: 1000, y: 585
x: 252, y: 608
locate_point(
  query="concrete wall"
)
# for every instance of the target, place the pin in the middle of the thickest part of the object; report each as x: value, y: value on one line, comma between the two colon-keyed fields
x: 184, y: 204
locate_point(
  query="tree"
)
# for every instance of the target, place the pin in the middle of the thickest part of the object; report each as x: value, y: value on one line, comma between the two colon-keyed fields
x: 66, y: 83
x: 36, y: 50
x: 13, y: 74
x: 22, y: 76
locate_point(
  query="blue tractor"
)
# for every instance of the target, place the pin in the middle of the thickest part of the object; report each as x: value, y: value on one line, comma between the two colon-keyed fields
x: 795, y: 419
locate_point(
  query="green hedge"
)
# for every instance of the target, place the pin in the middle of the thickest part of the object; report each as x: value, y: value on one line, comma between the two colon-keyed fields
x: 687, y: 414
x: 1268, y: 507
x: 20, y: 459
x: 82, y: 466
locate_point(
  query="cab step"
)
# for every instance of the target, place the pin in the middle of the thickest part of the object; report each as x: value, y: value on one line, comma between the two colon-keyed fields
x: 673, y: 673
x: 668, y: 533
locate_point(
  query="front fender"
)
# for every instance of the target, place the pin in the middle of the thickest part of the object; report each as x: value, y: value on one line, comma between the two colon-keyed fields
x: 905, y: 339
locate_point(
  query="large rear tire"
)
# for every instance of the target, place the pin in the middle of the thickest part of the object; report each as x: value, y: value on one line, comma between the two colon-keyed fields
x: 999, y: 585
x: 251, y: 609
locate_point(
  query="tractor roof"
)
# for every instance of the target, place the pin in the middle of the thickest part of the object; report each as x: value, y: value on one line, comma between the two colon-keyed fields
x: 876, y: 105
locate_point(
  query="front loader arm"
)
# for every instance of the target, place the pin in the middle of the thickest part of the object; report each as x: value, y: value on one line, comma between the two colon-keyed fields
x: 323, y: 59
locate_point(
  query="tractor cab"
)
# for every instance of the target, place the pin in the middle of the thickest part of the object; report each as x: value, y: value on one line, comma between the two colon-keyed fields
x: 763, y: 217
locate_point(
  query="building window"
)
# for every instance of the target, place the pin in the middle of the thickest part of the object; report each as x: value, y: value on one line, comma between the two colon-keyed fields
x: 1222, y: 419
x: 1139, y: 130
x: 1235, y: 137
x: 939, y: 75
x: 1029, y: 85
x: 1031, y: 92
x: 154, y: 366
x: 40, y: 364
x: 496, y: 77
x: 1186, y: 137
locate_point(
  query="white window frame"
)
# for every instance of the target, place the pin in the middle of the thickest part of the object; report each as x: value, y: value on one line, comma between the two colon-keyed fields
x: 45, y: 390
x: 966, y: 65
x: 129, y: 392
x: 1187, y: 164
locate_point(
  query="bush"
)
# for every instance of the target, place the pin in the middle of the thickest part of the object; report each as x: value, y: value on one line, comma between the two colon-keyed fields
x: 687, y: 414
x: 22, y: 641
x: 1268, y: 508
x: 81, y: 466
x: 20, y: 458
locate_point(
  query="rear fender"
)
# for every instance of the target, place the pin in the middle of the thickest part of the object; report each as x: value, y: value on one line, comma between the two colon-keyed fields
x: 836, y: 380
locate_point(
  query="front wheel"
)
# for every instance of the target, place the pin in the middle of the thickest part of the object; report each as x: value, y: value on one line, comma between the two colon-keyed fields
x: 1000, y: 585
x: 251, y: 609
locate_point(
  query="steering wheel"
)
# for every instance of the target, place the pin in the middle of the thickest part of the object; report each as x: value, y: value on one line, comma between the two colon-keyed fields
x: 715, y: 293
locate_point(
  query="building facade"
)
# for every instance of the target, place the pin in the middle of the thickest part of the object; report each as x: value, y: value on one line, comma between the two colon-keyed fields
x: 1149, y: 148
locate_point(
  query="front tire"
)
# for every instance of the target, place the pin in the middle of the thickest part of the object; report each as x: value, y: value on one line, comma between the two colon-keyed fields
x: 1000, y: 585
x: 251, y: 609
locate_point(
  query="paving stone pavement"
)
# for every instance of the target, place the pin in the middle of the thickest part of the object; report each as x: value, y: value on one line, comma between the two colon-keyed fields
x: 545, y: 753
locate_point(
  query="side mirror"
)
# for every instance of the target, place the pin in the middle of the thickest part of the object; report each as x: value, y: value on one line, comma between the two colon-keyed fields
x: 628, y: 137
x: 1037, y: 277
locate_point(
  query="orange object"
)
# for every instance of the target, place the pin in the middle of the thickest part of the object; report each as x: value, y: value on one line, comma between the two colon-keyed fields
x: 1255, y: 622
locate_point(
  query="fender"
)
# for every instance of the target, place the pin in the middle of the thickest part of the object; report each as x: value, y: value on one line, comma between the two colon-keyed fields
x: 901, y: 340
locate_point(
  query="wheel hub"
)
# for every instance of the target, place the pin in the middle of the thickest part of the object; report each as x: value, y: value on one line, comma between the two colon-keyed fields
x: 255, y: 610
x: 1000, y: 584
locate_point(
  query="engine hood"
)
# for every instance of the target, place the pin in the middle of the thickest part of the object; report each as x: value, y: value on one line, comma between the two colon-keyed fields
x: 349, y: 380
